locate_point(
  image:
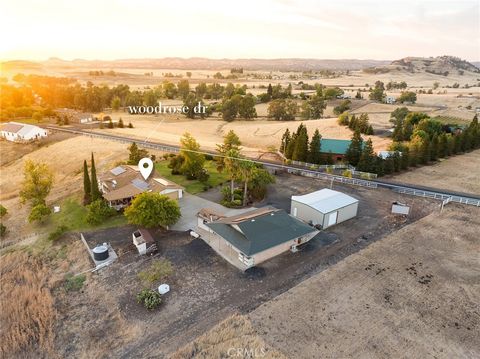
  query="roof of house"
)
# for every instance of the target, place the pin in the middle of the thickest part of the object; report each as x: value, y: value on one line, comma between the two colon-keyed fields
x: 325, y: 200
x: 126, y: 181
x: 334, y: 146
x: 21, y: 129
x: 255, y: 231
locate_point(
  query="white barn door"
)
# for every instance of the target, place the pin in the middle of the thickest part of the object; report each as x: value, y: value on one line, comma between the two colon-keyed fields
x: 332, y: 218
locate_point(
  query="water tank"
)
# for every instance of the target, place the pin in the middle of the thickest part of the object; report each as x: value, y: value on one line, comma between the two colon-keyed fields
x: 100, y: 253
x: 163, y: 289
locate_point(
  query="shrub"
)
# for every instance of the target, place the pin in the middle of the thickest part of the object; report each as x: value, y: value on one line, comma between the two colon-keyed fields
x: 347, y: 173
x: 57, y: 233
x: 149, y: 298
x: 3, y: 230
x: 98, y: 211
x: 3, y: 211
x: 39, y: 213
x: 74, y: 283
x: 208, y: 157
x: 158, y: 270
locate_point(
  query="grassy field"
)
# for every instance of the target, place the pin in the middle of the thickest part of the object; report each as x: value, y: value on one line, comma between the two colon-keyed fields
x: 193, y: 186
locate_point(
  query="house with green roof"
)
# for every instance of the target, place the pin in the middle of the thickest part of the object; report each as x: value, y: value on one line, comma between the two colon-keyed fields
x: 338, y: 148
x: 250, y: 238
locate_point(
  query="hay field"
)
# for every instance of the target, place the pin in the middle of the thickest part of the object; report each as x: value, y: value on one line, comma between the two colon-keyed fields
x: 413, y: 294
x: 459, y: 173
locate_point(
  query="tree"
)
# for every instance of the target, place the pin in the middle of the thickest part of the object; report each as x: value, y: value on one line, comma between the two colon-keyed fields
x: 110, y: 124
x: 149, y: 298
x: 37, y: 117
x: 116, y: 103
x: 183, y: 88
x: 367, y: 162
x: 189, y: 74
x: 358, y: 96
x: 192, y: 167
x: 120, y: 123
x: 269, y: 91
x: 229, y: 151
x: 95, y: 191
x: 229, y: 109
x: 260, y: 179
x: 151, y: 209
x: 86, y: 185
x: 37, y: 183
x: 201, y: 90
x: 39, y: 213
x: 300, y: 151
x: 354, y: 150
x: 408, y: 96
x: 98, y: 211
x: 378, y: 92
x: 246, y: 107
x: 285, y: 141
x: 314, y: 155
x: 344, y: 106
x: 245, y: 171
x: 282, y: 110
x: 136, y: 154
x: 313, y: 108
x: 130, y: 125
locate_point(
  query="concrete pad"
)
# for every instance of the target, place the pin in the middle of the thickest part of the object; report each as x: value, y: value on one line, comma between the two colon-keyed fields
x: 191, y: 204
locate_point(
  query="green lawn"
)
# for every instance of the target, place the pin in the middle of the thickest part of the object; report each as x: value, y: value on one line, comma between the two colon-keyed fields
x: 193, y: 186
x: 73, y: 215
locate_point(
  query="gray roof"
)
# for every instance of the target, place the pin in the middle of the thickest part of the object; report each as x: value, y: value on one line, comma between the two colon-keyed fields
x: 258, y: 233
x: 117, y: 170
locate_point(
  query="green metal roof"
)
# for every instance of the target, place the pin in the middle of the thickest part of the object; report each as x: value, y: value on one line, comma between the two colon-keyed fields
x: 262, y: 232
x: 339, y: 147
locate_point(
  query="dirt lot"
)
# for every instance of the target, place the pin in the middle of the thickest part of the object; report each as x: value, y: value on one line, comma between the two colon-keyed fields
x: 205, y: 288
x: 459, y: 173
x: 413, y: 294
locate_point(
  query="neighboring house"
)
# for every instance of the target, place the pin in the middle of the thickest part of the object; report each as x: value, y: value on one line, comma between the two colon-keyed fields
x: 250, y: 238
x: 17, y: 132
x: 338, y: 148
x: 121, y: 184
x: 390, y: 100
x: 324, y: 208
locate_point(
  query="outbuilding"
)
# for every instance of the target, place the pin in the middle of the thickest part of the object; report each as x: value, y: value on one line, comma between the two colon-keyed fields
x: 324, y: 208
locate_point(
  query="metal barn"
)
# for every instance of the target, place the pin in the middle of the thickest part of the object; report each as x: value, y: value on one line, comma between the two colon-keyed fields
x: 324, y: 207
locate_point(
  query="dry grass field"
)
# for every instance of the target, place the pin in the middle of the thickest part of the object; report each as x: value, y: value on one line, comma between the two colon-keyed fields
x: 27, y: 310
x: 459, y: 173
x: 234, y: 337
x: 413, y: 294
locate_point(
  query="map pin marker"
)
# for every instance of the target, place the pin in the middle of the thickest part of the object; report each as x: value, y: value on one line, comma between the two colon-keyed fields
x: 145, y: 165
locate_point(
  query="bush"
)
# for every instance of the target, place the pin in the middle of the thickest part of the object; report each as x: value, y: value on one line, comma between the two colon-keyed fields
x: 57, y: 233
x: 149, y: 298
x: 3, y: 211
x: 158, y: 270
x: 74, y: 283
x: 39, y: 213
x: 347, y: 173
x: 98, y: 211
x: 208, y: 157
x: 3, y: 230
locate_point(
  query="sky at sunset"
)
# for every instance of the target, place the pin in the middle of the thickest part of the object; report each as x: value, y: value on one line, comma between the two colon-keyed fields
x: 387, y: 30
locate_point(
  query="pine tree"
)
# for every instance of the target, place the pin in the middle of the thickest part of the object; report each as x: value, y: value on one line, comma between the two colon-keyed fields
x: 300, y: 151
x: 388, y: 165
x: 405, y: 158
x: 110, y: 124
x: 130, y: 125
x: 425, y: 150
x: 120, y: 123
x: 354, y: 151
x: 434, y: 149
x: 291, y: 146
x: 95, y: 191
x: 397, y: 161
x: 285, y: 141
x: 379, y: 166
x: 367, y: 160
x: 314, y: 155
x: 443, y: 146
x: 87, y: 187
x: 270, y: 91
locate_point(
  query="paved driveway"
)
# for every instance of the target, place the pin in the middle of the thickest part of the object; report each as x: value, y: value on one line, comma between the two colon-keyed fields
x: 191, y: 204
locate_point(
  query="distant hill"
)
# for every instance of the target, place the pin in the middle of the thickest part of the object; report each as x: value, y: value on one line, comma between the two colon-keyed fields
x: 200, y: 63
x: 441, y: 65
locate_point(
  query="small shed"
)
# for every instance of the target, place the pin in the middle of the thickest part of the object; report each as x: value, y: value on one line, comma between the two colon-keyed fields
x: 324, y: 208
